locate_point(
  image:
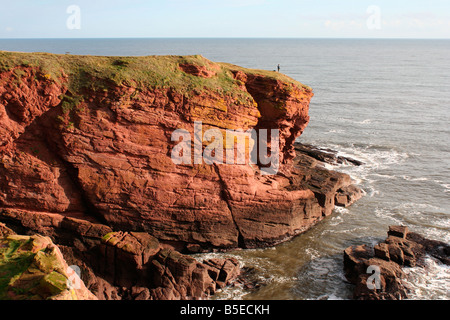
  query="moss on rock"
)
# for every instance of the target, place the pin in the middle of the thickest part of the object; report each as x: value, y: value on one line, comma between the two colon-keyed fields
x: 32, y: 267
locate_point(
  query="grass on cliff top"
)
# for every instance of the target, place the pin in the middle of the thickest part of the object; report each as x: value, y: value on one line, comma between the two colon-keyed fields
x: 102, y: 72
x: 266, y: 73
x: 12, y: 263
x: 28, y: 274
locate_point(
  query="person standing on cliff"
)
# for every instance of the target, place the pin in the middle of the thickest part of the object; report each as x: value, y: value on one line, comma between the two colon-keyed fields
x: 278, y: 68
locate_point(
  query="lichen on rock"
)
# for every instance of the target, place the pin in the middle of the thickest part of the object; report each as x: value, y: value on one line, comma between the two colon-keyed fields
x: 32, y: 267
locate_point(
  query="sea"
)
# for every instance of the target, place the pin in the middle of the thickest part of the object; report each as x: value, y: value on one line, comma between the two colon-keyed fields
x: 384, y: 102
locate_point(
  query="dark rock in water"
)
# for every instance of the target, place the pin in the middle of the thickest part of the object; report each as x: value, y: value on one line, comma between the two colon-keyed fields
x: 401, y: 248
x: 325, y: 155
x: 177, y: 276
x: 331, y: 187
x: 249, y: 279
x: 398, y: 231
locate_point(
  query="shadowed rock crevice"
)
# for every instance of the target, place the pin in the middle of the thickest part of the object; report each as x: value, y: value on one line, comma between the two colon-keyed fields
x: 226, y: 197
x: 42, y: 140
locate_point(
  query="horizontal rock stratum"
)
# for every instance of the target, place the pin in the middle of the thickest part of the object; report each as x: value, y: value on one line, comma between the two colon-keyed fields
x: 89, y: 138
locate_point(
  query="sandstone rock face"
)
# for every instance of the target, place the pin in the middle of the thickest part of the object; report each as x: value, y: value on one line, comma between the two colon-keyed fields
x: 90, y: 137
x: 176, y: 276
x: 126, y: 265
x: 32, y: 267
x: 137, y: 261
x: 85, y: 159
x: 401, y: 249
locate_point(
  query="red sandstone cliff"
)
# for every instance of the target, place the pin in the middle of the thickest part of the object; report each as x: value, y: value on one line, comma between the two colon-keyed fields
x: 101, y: 151
x: 85, y: 146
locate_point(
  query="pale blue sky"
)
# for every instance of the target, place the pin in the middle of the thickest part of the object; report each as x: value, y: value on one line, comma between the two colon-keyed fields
x: 227, y: 18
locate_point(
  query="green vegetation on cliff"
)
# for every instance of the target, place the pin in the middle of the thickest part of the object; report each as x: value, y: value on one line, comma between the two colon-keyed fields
x: 101, y: 72
x: 30, y: 269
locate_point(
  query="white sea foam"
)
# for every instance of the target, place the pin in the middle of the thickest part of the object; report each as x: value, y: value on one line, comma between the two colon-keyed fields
x: 384, y: 213
x: 344, y: 231
x: 431, y: 282
x: 446, y: 187
x: 231, y: 293
x: 340, y: 210
x: 371, y: 191
x: 334, y: 131
x: 352, y: 121
x: 438, y: 233
x: 415, y: 206
x: 373, y: 157
x: 329, y: 166
x: 382, y: 176
x: 312, y: 253
x: 408, y: 178
x: 281, y: 279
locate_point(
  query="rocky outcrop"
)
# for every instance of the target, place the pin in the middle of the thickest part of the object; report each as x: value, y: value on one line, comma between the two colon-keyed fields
x: 312, y: 161
x: 401, y: 249
x: 179, y: 277
x: 85, y: 152
x: 126, y: 265
x: 91, y: 136
x: 32, y: 267
x: 325, y: 155
x: 5, y: 231
x: 137, y: 261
